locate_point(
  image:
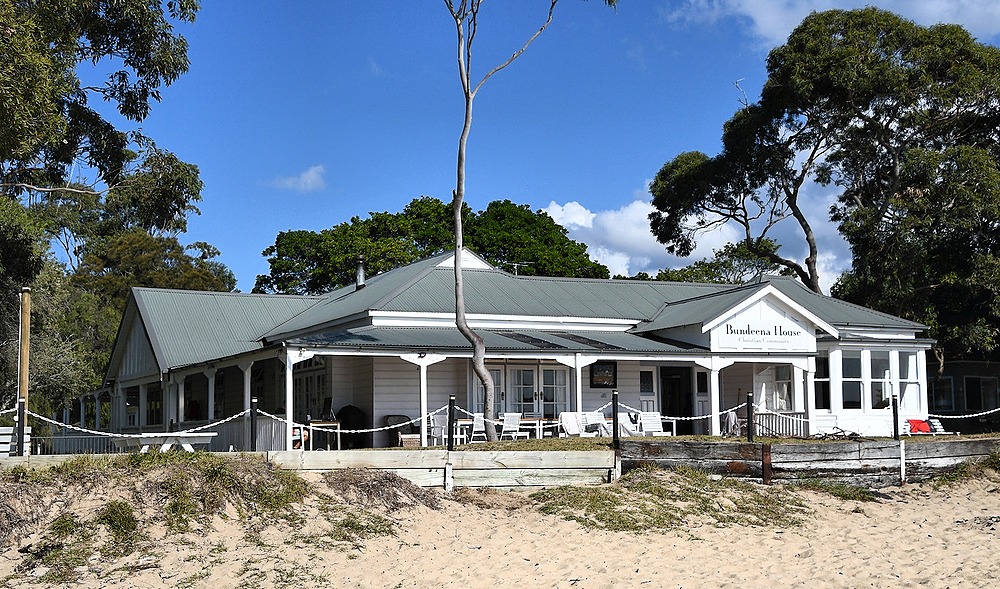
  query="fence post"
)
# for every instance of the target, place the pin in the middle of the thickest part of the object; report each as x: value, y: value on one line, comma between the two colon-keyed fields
x: 451, y: 423
x: 895, y: 418
x: 750, y: 427
x: 253, y: 424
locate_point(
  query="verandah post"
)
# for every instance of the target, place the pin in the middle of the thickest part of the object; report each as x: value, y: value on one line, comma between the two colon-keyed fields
x: 617, y: 444
x: 253, y: 424
x: 750, y: 431
x: 895, y: 418
x: 451, y: 423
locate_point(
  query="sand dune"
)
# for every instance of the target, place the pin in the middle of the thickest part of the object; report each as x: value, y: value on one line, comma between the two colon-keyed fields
x: 915, y: 536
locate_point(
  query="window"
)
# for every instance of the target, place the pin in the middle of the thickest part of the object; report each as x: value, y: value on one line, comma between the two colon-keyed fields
x: 880, y: 380
x: 851, y: 386
x: 646, y: 381
x: 781, y: 394
x: 981, y: 393
x: 943, y: 394
x: 822, y: 382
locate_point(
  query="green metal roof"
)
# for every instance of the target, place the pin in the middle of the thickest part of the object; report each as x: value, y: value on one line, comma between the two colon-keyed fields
x: 450, y: 339
x: 189, y: 327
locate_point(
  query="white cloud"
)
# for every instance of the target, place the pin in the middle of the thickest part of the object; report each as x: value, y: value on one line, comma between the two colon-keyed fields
x: 621, y: 239
x: 308, y: 181
x: 373, y: 67
x: 770, y: 21
x: 571, y: 215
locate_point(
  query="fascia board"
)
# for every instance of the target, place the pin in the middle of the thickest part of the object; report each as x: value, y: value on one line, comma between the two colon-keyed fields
x: 770, y: 290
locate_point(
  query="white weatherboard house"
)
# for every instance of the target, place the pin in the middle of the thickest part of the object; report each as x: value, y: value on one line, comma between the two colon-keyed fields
x: 389, y: 346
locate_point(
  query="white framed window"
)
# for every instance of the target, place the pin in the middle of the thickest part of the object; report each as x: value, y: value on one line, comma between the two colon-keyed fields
x: 781, y: 391
x: 879, y: 389
x: 851, y: 384
x: 822, y: 382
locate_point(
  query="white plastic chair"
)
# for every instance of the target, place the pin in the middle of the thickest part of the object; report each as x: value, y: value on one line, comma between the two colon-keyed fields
x: 570, y: 424
x: 628, y: 424
x: 439, y: 429
x: 511, y: 426
x: 596, y: 422
x: 478, y: 428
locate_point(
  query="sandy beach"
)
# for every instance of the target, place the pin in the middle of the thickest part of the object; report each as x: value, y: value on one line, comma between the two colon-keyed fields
x: 914, y: 536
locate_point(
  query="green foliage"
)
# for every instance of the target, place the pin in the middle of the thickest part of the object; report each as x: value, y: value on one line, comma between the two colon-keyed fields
x: 901, y: 121
x: 735, y: 263
x: 988, y: 467
x: 122, y: 524
x: 507, y: 235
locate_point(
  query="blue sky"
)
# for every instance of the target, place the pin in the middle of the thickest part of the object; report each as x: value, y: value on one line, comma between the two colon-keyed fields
x: 301, y: 115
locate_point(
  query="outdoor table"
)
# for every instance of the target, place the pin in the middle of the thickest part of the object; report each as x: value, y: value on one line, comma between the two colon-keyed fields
x: 323, y: 425
x: 165, y: 440
x: 537, y: 424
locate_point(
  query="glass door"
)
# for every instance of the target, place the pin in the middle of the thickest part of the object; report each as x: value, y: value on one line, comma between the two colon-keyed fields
x: 522, y: 391
x: 555, y: 392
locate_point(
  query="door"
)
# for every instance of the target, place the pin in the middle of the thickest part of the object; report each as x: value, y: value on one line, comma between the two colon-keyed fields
x: 538, y: 391
x: 675, y: 395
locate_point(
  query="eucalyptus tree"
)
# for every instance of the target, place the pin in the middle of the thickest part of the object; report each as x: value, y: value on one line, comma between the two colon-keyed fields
x: 465, y: 14
x: 853, y: 103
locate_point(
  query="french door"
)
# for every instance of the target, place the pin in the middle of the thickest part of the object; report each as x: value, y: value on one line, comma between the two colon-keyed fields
x: 537, y: 391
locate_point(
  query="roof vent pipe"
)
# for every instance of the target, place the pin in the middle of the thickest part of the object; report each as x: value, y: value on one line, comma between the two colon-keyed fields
x: 359, y: 282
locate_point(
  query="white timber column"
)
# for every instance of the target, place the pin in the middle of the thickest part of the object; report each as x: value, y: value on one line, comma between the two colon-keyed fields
x: 714, y: 402
x: 210, y: 375
x: 423, y: 360
x: 179, y: 406
x: 291, y: 357
x: 810, y: 395
x: 143, y: 409
x: 923, y: 407
x: 245, y: 367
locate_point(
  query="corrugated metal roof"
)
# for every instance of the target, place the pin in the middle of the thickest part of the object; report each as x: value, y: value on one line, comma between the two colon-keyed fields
x: 837, y: 312
x: 699, y: 310
x: 450, y: 339
x: 189, y: 327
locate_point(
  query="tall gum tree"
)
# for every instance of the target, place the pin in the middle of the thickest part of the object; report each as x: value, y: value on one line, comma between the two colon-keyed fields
x: 465, y: 15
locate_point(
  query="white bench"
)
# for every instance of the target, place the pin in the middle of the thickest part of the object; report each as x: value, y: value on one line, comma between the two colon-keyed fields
x: 8, y: 436
x: 165, y: 440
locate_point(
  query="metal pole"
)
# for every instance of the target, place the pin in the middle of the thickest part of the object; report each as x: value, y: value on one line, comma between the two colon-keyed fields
x: 617, y: 443
x: 895, y: 417
x: 451, y: 423
x: 253, y: 424
x: 750, y: 428
x: 22, y: 367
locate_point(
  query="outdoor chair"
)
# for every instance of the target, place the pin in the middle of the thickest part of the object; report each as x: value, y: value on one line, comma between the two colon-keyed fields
x: 407, y: 435
x: 439, y: 430
x: 652, y: 425
x: 511, y: 426
x: 628, y: 424
x: 594, y: 421
x: 478, y: 428
x: 570, y: 425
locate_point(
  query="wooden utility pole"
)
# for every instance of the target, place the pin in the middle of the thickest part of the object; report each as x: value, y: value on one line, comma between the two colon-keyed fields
x: 22, y: 368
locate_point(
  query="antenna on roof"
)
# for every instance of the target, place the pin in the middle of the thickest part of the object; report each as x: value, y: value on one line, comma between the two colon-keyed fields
x: 517, y: 265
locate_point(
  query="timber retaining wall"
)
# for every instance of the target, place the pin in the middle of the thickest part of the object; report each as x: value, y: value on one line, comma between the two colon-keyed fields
x: 875, y: 463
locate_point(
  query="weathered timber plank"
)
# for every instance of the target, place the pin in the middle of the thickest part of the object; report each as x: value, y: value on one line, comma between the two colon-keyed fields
x: 574, y: 459
x: 382, y: 459
x: 528, y: 477
x: 939, y: 448
x: 690, y: 450
x: 789, y: 453
x: 856, y: 480
x: 839, y: 465
x: 742, y: 468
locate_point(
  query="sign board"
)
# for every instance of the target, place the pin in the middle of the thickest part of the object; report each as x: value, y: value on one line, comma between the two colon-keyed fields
x: 765, y: 326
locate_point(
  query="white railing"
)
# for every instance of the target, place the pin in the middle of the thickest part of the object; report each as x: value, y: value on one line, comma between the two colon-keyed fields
x: 780, y: 424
